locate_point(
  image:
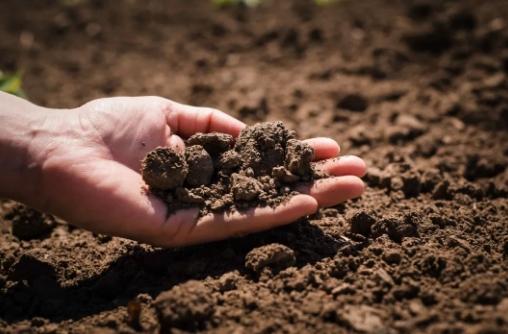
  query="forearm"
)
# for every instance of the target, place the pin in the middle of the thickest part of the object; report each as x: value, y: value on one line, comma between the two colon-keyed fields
x: 20, y: 123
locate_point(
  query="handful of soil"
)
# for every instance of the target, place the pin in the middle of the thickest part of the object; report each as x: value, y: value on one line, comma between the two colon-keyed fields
x: 218, y: 174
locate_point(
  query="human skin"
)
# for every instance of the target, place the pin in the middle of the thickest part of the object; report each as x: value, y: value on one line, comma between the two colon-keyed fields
x: 83, y: 165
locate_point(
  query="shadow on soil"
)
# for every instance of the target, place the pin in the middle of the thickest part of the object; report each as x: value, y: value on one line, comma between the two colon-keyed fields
x: 38, y: 292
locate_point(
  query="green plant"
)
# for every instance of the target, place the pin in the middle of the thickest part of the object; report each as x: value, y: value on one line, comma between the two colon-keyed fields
x: 11, y: 83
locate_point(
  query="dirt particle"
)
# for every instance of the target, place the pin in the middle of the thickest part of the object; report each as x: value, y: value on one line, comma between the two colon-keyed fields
x: 442, y: 190
x: 28, y: 223
x: 134, y: 313
x: 353, y: 102
x: 190, y: 196
x: 392, y: 257
x: 214, y: 143
x: 432, y: 265
x: 273, y: 256
x: 30, y: 267
x: 361, y: 223
x: 397, y: 229
x: 484, y: 289
x: 298, y: 158
x: 200, y: 166
x: 462, y: 20
x: 483, y: 167
x: 282, y: 174
x: 263, y: 146
x: 245, y: 188
x: 420, y: 10
x: 163, y: 168
x: 187, y: 306
x: 229, y: 161
x: 411, y: 185
x: 405, y: 128
x: 435, y: 39
x: 362, y: 318
x: 228, y: 281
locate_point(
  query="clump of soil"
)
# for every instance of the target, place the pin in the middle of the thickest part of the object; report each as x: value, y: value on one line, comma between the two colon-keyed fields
x: 28, y: 223
x: 164, y: 169
x: 187, y: 307
x: 215, y: 173
x: 274, y: 257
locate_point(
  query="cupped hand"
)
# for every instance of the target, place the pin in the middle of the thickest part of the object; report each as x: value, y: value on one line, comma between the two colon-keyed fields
x: 90, y: 161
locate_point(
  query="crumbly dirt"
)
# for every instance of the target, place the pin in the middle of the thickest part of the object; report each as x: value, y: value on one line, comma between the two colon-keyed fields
x: 259, y: 169
x: 418, y: 88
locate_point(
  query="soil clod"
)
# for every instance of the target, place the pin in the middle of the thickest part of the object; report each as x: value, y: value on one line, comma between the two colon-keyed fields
x: 163, y: 168
x: 200, y: 166
x: 28, y: 223
x: 214, y: 143
x: 275, y: 257
x: 187, y: 306
x: 353, y: 102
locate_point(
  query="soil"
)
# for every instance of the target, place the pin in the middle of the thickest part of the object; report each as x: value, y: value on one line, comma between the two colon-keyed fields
x: 417, y: 88
x: 218, y: 174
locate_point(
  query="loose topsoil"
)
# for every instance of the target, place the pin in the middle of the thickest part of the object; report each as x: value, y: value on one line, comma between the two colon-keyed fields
x: 417, y: 88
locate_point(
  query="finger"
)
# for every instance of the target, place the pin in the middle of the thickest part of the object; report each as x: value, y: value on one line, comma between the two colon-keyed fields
x: 334, y: 190
x: 345, y: 165
x: 186, y: 120
x: 324, y: 148
x: 176, y: 143
x: 214, y: 227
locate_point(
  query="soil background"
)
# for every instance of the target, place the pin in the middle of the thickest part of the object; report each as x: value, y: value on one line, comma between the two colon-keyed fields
x: 417, y: 88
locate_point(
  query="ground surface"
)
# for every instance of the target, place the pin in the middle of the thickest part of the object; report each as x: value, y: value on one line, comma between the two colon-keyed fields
x: 420, y: 90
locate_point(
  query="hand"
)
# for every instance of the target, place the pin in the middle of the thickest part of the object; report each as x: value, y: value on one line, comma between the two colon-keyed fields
x: 90, y: 161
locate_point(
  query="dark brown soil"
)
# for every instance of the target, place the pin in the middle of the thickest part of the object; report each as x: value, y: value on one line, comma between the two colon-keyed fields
x: 418, y: 88
x: 217, y: 173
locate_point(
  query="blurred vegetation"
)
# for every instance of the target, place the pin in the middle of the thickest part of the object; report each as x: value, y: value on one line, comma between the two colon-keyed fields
x: 11, y: 83
x: 253, y: 3
x: 224, y: 3
x: 325, y: 2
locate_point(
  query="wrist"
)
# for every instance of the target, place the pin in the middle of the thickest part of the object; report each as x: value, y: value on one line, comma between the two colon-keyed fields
x: 21, y: 126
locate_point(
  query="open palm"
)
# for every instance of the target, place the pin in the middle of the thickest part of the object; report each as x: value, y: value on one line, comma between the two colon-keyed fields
x: 91, y: 173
